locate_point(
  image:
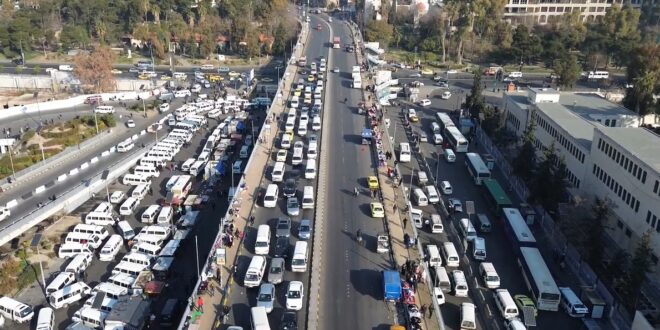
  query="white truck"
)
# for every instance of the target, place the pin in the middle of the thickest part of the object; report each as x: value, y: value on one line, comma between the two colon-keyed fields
x: 357, y: 79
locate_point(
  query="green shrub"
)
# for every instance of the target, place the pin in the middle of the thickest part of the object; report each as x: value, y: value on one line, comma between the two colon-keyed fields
x: 27, y: 277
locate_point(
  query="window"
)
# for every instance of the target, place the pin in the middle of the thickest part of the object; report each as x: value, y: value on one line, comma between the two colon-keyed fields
x: 619, y: 224
x: 636, y: 206
x: 655, y: 187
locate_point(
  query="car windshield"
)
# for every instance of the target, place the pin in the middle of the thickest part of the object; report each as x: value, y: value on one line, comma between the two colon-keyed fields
x: 275, y: 269
x: 283, y: 225
x: 294, y: 294
x: 265, y: 297
x: 304, y: 228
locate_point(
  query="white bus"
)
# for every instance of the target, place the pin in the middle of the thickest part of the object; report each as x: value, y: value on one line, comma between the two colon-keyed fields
x: 477, y: 168
x: 104, y: 109
x: 456, y: 139
x: 125, y: 146
x: 539, y: 280
x: 516, y: 229
x: 445, y: 121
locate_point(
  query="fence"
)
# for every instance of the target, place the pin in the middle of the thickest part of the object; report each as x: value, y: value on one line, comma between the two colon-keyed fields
x: 556, y: 241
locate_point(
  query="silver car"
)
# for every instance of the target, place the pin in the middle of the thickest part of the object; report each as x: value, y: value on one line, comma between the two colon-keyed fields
x: 276, y: 271
x: 292, y: 206
x: 283, y: 228
x: 266, y: 297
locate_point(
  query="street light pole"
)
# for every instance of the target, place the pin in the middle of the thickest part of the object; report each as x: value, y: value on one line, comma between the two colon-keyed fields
x: 144, y: 107
x: 197, y: 255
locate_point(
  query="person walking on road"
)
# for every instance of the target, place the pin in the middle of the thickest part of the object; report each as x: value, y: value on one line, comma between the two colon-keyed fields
x: 430, y: 312
x: 394, y: 208
x: 405, y: 222
x: 200, y: 304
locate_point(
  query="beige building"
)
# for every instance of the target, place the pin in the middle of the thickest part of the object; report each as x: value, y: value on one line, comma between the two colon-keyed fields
x: 541, y: 11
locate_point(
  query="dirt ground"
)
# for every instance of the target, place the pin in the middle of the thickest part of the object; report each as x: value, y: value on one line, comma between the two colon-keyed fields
x: 20, y: 98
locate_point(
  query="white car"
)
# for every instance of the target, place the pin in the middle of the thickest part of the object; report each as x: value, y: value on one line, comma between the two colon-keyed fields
x: 445, y: 95
x: 294, y: 296
x: 164, y: 107
x: 4, y: 213
x: 50, y: 70
x: 425, y: 102
x: 196, y: 88
x: 438, y: 295
x: 330, y: 19
x: 130, y: 123
x: 117, y: 196
x: 452, y: 71
x: 281, y: 155
x: 115, y: 71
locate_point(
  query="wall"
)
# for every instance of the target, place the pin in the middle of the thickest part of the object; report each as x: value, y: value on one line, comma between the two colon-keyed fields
x: 34, y: 82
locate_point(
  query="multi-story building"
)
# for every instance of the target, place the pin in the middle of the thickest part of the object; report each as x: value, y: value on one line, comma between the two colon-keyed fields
x: 372, y: 10
x: 541, y: 11
x: 606, y: 154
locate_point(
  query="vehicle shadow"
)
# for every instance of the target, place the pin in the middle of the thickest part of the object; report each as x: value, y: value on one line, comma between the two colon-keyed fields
x: 363, y: 282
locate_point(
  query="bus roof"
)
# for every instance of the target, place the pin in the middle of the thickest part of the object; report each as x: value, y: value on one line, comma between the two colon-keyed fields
x: 518, y: 225
x: 497, y: 193
x: 539, y: 270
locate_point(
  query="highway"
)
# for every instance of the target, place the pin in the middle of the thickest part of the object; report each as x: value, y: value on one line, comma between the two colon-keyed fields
x: 499, y: 249
x: 351, y: 284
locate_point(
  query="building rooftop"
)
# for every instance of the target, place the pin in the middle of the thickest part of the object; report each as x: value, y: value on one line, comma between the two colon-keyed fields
x: 544, y: 90
x: 640, y: 142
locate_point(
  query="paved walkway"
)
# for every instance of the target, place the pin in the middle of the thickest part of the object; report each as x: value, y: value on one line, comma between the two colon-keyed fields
x: 212, y: 317
x: 392, y: 196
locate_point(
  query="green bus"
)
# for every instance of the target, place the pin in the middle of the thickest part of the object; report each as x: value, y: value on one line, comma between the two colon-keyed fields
x: 495, y: 195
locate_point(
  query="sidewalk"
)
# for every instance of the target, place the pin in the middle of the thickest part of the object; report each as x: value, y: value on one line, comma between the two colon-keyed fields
x: 395, y: 227
x: 212, y: 317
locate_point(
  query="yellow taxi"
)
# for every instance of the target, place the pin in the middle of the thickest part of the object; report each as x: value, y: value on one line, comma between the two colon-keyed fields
x: 308, y: 100
x: 311, y: 78
x: 297, y: 92
x: 377, y: 210
x: 372, y: 182
x: 214, y: 77
x: 426, y: 72
x: 165, y: 77
x: 143, y: 77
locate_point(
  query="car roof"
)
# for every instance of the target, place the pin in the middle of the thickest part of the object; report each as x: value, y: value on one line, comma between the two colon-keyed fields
x: 295, y: 285
x: 277, y: 261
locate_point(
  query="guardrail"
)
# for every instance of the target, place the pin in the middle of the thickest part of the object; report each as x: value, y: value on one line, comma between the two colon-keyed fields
x: 74, y: 197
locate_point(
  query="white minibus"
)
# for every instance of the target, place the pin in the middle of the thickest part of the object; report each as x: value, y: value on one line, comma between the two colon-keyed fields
x: 308, y: 197
x: 489, y: 275
x: 479, y: 248
x: 245, y: 152
x: 116, y: 196
x: 128, y: 268
x: 103, y: 207
x: 432, y: 194
x: 197, y: 167
x: 140, y: 191
x: 262, y: 244
x: 111, y: 248
x: 111, y: 290
x: 146, y: 170
x: 82, y: 238
x: 90, y: 317
x: 60, y: 281
x: 460, y: 283
x: 122, y: 280
x: 125, y: 146
x: 135, y: 179
x: 45, y: 319
x: 69, y: 294
x: 572, y: 304
x: 149, y: 239
x: 15, y: 310
x: 165, y: 215
x: 101, y: 302
x: 259, y: 318
x: 100, y: 219
x: 79, y: 263
x: 310, y: 169
x: 125, y: 229
x: 468, y: 316
x: 163, y: 232
x: 420, y: 197
x: 467, y: 229
x: 152, y: 161
x: 442, y: 279
x: 99, y: 231
x: 505, y: 304
x: 150, y: 214
x: 104, y: 109
x: 433, y: 256
x: 138, y: 258
x: 450, y: 254
x: 204, y: 156
x: 160, y: 154
x: 129, y: 206
x: 277, y: 175
x: 450, y: 156
x: 270, y: 198
x: 436, y: 224
x: 187, y: 164
x: 68, y: 250
x: 299, y: 259
x: 255, y: 272
x: 146, y: 248
x: 404, y: 152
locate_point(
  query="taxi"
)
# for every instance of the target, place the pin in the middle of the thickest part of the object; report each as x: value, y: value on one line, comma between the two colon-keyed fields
x: 297, y: 92
x: 412, y: 115
x: 143, y: 76
x: 234, y: 74
x: 308, y: 99
x: 377, y: 210
x: 426, y: 72
x: 165, y: 77
x: 311, y: 78
x: 372, y: 182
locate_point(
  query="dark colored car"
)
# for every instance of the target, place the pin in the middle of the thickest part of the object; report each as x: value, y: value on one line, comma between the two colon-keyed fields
x: 290, y: 187
x: 283, y: 228
x: 281, y: 247
x: 289, y: 321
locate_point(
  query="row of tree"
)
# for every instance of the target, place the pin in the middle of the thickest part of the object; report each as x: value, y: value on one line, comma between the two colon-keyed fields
x: 192, y: 26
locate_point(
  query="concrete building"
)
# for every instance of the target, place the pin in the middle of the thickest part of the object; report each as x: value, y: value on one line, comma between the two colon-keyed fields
x: 606, y: 154
x: 541, y: 11
x: 372, y: 10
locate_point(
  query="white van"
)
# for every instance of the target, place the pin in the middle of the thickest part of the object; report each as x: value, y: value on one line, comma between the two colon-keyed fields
x: 460, y: 283
x: 101, y: 302
x: 297, y: 157
x: 204, y: 156
x: 129, y: 206
x: 299, y: 259
x: 100, y: 219
x: 308, y: 197
x: 146, y: 249
x: 78, y: 263
x: 137, y: 258
x: 285, y: 143
x: 68, y: 250
x: 255, y: 272
x: 245, y: 152
x: 152, y: 161
x: 259, y: 318
x: 262, y: 244
x: 111, y: 248
x: 116, y: 196
x: 420, y: 197
x: 99, y: 231
x: 572, y: 304
x: 404, y: 152
x: 483, y: 223
x: 442, y: 279
x: 60, y: 281
x: 90, y: 317
x: 450, y: 156
x: 135, y: 179
x: 505, y: 304
x: 15, y: 310
x: 125, y: 230
x: 45, y: 319
x: 150, y: 214
x: 149, y: 239
x: 316, y: 123
x: 128, y: 268
x: 436, y: 224
x: 69, y: 294
x: 479, y: 248
x: 450, y: 254
x: 489, y: 275
x: 467, y: 229
x: 237, y: 167
x: 163, y: 232
x: 437, y: 138
x: 122, y: 280
x: 186, y: 165
x: 111, y: 290
x: 310, y: 169
x: 82, y: 238
x: 277, y: 175
x: 140, y: 191
x: 146, y: 170
x: 104, y: 109
x: 432, y: 194
x: 468, y: 316
x: 165, y: 215
x: 433, y: 256
x: 197, y: 167
x: 103, y: 207
x: 312, y: 151
x: 270, y: 199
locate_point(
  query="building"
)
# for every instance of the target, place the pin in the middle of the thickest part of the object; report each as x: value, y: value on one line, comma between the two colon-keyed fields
x: 372, y: 10
x: 607, y: 155
x: 542, y: 11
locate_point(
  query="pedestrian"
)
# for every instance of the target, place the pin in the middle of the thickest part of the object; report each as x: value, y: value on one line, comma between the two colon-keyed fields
x: 423, y: 309
x: 200, y: 304
x: 394, y: 208
x: 252, y: 220
x: 151, y: 191
x: 405, y: 222
x: 430, y: 312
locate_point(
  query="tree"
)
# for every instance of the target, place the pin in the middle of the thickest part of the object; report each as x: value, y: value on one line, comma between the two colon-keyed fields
x: 279, y: 44
x: 95, y: 69
x: 600, y: 212
x: 644, y: 72
x: 615, y: 35
x: 640, y: 265
x: 379, y: 31
x: 475, y: 100
x: 525, y: 162
x: 568, y: 69
x: 524, y: 46
x: 549, y: 184
x: 73, y: 36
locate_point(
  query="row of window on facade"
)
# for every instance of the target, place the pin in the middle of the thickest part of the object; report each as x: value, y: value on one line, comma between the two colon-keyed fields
x: 653, y: 221
x: 616, y: 188
x: 622, y: 160
x: 513, y: 120
x: 568, y: 145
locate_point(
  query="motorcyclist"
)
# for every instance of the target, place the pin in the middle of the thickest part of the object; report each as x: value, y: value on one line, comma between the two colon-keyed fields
x: 359, y: 235
x: 356, y: 191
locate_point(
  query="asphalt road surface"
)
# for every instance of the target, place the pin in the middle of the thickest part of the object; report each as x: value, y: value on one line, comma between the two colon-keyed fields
x: 499, y: 248
x: 351, y: 284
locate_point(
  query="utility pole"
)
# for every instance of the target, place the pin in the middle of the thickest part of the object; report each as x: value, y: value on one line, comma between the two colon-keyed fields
x: 20, y: 42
